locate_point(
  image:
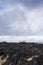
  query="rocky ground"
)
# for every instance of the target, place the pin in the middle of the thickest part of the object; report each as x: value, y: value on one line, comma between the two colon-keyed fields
x: 21, y: 53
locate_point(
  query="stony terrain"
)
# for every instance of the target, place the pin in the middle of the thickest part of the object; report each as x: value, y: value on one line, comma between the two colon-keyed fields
x: 21, y: 53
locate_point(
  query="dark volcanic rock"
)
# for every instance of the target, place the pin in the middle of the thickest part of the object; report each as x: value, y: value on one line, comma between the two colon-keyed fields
x: 22, y: 53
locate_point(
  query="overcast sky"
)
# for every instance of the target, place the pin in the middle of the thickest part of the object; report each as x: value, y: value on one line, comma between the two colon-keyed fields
x: 21, y: 18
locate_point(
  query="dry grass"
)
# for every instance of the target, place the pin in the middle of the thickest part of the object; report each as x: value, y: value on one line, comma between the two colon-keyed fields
x: 30, y: 59
x: 4, y: 60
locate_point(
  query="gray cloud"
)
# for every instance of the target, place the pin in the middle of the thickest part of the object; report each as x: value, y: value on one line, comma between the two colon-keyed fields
x: 17, y: 19
x: 28, y: 3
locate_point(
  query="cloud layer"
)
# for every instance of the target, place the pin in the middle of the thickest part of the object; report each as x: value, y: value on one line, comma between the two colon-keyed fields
x: 21, y: 38
x: 21, y: 20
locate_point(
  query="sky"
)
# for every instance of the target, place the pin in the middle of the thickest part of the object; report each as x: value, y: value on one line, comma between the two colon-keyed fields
x: 21, y: 18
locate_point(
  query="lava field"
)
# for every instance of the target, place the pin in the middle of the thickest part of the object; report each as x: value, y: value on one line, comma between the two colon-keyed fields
x: 22, y: 53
